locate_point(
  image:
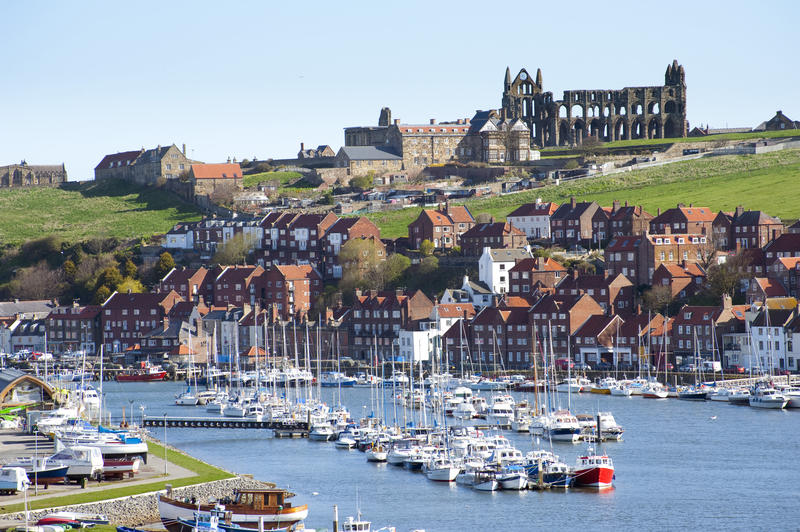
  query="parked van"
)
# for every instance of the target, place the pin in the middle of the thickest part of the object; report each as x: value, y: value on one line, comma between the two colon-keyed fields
x: 712, y: 365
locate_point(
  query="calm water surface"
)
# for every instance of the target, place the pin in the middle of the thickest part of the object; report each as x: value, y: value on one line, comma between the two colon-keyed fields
x: 678, y: 469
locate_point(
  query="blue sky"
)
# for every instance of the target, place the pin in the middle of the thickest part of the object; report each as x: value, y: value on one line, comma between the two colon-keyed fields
x: 82, y: 79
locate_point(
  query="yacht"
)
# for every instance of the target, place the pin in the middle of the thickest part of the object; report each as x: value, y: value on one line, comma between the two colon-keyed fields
x: 767, y: 397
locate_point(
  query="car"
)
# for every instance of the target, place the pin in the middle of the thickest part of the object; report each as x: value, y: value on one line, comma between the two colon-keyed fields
x: 581, y: 366
x: 688, y: 368
x: 562, y: 363
x: 670, y: 367
x: 737, y: 369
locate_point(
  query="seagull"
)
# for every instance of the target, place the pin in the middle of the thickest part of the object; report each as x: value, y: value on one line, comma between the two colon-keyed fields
x: 314, y: 493
x: 713, y: 418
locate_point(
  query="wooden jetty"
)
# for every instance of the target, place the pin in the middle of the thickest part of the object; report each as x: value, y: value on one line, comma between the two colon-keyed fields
x: 299, y: 428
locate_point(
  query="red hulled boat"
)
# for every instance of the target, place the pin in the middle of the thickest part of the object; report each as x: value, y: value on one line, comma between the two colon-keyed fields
x: 594, y: 471
x: 145, y: 372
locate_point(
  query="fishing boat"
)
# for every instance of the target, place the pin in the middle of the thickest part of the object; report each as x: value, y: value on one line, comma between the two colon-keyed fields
x: 146, y: 372
x: 594, y: 471
x: 247, y: 508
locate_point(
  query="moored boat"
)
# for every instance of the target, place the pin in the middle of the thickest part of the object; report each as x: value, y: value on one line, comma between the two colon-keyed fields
x: 146, y: 372
x: 248, y: 508
x: 594, y: 471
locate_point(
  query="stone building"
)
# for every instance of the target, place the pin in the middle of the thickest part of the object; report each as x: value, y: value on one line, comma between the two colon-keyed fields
x: 629, y: 113
x: 211, y: 179
x: 145, y: 167
x: 778, y: 122
x: 361, y: 160
x: 32, y: 175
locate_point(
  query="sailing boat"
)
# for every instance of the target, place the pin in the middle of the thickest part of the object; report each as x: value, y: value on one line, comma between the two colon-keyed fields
x: 694, y: 393
x: 654, y: 389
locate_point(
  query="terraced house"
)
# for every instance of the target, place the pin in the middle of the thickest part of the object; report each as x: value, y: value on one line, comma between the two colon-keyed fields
x: 443, y: 226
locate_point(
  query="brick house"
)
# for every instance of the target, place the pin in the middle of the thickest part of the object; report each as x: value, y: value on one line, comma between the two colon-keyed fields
x: 500, y: 338
x: 703, y: 325
x: 721, y: 230
x: 294, y: 238
x: 627, y: 220
x: 753, y: 229
x: 622, y: 255
x: 571, y: 223
x: 525, y: 275
x: 289, y: 290
x: 759, y: 289
x: 192, y: 284
x: 615, y: 294
x: 341, y: 232
x: 73, y: 328
x: 685, y: 220
x: 786, y: 245
x: 601, y: 226
x: 380, y: 316
x: 671, y: 249
x: 491, y: 235
x: 234, y: 286
x: 125, y: 317
x: 684, y: 279
x: 533, y: 219
x: 443, y: 227
x: 594, y: 341
x: 786, y: 271
x: 564, y: 315
x: 210, y: 179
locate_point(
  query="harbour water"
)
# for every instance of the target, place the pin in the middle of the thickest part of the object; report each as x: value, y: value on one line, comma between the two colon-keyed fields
x: 682, y: 466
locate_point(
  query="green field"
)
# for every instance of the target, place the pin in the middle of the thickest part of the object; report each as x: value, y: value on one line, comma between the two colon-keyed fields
x: 203, y: 473
x: 768, y: 182
x: 683, y: 140
x: 283, y: 178
x: 78, y: 211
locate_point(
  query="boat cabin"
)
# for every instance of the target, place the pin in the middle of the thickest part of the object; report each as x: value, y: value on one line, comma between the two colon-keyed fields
x: 260, y: 499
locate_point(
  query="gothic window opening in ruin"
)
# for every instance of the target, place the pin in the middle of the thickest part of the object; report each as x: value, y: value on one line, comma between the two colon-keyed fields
x: 577, y: 111
x: 607, y: 110
x: 637, y: 130
x: 526, y: 107
x: 621, y: 130
x: 670, y: 130
x: 563, y: 134
x: 637, y: 109
x: 653, y: 108
x: 562, y: 111
x: 654, y: 129
x: 622, y: 110
x: 606, y: 133
x: 669, y: 107
x: 580, y: 131
x: 594, y: 127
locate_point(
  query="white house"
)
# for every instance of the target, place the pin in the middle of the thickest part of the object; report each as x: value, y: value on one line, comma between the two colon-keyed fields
x: 470, y: 292
x: 419, y: 345
x: 533, y: 218
x: 180, y: 237
x: 494, y: 264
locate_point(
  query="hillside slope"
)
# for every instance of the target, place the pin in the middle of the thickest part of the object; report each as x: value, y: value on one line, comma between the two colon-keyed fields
x: 78, y: 211
x: 769, y: 182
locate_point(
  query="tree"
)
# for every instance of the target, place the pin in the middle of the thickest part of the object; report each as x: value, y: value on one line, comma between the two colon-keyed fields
x: 426, y: 248
x: 657, y: 298
x: 363, y: 182
x: 391, y: 271
x: 428, y: 265
x: 70, y: 270
x: 110, y: 278
x: 129, y: 269
x: 726, y: 277
x: 37, y: 282
x: 164, y: 265
x: 234, y: 251
x: 130, y: 285
x: 101, y: 294
x: 327, y: 198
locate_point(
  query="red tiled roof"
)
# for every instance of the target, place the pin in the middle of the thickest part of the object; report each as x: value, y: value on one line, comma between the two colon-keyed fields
x: 455, y: 310
x: 217, y: 171
x: 789, y: 262
x: 302, y: 271
x: 698, y: 214
x: 770, y: 287
x: 460, y: 214
x: 546, y: 208
x: 532, y: 264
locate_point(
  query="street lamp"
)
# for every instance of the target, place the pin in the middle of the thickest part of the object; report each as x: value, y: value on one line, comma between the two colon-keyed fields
x: 165, y: 444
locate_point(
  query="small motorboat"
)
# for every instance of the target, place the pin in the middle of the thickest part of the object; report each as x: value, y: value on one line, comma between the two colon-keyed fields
x: 376, y: 453
x: 594, y: 471
x: 512, y: 477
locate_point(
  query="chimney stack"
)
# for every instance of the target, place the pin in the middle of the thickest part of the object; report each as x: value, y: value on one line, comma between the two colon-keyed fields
x: 397, y: 121
x: 572, y: 201
x: 739, y: 211
x: 302, y: 147
x: 184, y: 149
x: 433, y: 121
x: 615, y: 205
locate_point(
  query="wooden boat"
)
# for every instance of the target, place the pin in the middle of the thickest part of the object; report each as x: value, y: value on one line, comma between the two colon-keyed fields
x: 146, y: 372
x: 247, y: 508
x: 120, y: 467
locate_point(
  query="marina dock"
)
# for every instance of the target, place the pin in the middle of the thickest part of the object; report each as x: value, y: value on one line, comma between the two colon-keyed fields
x: 224, y: 423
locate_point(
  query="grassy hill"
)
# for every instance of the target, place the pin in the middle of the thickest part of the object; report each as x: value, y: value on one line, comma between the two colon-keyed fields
x: 78, y: 211
x: 769, y: 182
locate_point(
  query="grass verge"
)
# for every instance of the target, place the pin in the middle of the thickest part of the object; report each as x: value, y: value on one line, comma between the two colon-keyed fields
x: 203, y: 473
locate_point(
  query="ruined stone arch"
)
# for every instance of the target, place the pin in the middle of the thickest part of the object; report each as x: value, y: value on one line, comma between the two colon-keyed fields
x: 637, y: 129
x: 527, y: 108
x: 621, y: 129
x: 595, y: 127
x: 608, y: 110
x: 670, y: 107
x: 563, y: 133
x: 636, y: 109
x: 579, y: 131
x: 654, y: 128
x: 670, y: 129
x: 622, y: 110
x: 563, y: 111
x: 578, y: 111
x: 607, y: 132
x: 653, y: 108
